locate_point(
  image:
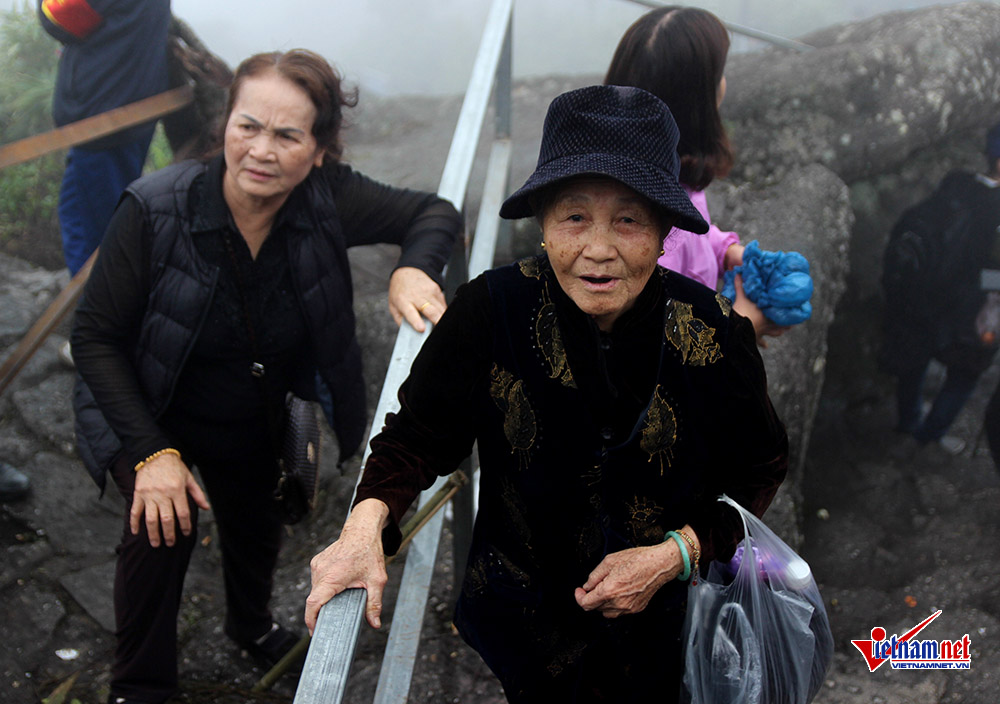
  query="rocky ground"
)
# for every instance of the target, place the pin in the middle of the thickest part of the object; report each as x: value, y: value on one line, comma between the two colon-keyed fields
x: 889, y: 540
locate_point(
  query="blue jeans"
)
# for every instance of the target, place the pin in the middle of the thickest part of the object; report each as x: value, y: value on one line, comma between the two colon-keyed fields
x: 958, y: 386
x: 91, y: 186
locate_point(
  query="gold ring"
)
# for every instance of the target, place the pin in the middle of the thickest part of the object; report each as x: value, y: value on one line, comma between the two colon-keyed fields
x: 421, y: 307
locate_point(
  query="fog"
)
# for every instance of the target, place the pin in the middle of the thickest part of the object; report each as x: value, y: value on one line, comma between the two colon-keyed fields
x: 402, y: 46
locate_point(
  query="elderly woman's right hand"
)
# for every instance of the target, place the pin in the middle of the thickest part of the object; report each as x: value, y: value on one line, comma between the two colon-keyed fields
x: 355, y: 560
x: 161, y: 489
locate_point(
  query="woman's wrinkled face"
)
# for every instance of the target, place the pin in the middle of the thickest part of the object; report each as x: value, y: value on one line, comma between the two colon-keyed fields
x: 602, y: 239
x: 269, y: 145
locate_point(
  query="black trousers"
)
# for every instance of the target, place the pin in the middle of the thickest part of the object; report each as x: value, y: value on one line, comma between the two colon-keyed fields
x: 149, y: 581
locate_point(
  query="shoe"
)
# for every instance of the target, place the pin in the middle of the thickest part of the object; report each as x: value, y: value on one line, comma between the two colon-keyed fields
x: 14, y: 484
x: 274, y: 645
x: 66, y: 355
x: 953, y: 445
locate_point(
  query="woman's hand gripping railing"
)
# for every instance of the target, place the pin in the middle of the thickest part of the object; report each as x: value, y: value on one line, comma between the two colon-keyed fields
x: 331, y: 660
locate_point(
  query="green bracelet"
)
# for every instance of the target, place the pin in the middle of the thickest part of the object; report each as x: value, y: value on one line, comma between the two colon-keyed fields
x: 683, y: 576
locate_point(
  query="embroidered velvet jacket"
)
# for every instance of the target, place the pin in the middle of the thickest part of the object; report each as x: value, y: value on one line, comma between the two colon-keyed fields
x: 589, y: 443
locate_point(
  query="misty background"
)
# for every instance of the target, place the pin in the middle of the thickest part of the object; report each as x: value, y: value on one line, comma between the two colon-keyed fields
x: 393, y: 47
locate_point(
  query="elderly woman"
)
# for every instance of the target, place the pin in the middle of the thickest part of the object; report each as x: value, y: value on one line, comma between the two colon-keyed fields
x: 597, y: 386
x: 220, y: 286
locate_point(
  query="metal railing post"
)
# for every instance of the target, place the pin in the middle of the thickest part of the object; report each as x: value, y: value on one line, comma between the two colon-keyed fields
x: 341, y: 617
x: 504, y: 108
x: 502, y: 86
x: 464, y: 503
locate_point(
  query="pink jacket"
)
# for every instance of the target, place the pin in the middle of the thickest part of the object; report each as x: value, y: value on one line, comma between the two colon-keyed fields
x: 699, y: 257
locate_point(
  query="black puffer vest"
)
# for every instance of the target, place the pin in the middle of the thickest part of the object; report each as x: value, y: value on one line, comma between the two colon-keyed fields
x: 181, y: 288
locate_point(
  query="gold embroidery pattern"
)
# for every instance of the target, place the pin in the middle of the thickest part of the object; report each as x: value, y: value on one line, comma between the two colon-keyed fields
x: 590, y: 535
x: 530, y: 268
x: 692, y: 337
x: 591, y: 477
x: 508, y: 567
x: 568, y: 653
x: 549, y: 339
x: 660, y: 431
x: 475, y: 577
x: 643, y: 521
x: 519, y: 420
x: 479, y: 570
x: 725, y: 305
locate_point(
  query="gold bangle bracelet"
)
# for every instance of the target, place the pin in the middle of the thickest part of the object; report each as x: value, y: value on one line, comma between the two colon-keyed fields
x: 160, y: 453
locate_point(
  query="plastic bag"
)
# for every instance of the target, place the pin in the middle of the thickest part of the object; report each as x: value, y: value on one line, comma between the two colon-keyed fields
x: 777, y: 282
x: 756, y: 630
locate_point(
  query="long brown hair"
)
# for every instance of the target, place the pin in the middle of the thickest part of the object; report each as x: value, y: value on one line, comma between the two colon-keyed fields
x: 678, y: 54
x: 316, y: 77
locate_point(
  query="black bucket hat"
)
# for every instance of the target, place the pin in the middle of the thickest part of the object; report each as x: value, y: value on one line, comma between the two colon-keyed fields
x: 621, y: 132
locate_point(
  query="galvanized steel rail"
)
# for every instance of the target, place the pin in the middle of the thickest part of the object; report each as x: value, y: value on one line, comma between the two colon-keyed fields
x: 327, y: 665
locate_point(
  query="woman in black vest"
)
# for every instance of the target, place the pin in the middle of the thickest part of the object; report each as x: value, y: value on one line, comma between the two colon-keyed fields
x: 597, y: 385
x: 209, y: 269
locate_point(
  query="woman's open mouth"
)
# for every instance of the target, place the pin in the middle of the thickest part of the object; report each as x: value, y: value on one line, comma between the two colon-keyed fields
x: 599, y: 283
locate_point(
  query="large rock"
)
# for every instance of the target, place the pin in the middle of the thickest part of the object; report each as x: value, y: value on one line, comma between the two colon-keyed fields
x: 871, y: 94
x: 26, y: 291
x: 890, y: 105
x: 47, y: 411
x: 808, y: 212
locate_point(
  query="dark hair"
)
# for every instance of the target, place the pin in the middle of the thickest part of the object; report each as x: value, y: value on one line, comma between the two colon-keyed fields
x: 678, y: 54
x: 316, y: 77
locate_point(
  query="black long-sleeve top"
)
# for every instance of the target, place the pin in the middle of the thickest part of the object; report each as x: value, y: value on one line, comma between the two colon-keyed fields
x: 214, y: 388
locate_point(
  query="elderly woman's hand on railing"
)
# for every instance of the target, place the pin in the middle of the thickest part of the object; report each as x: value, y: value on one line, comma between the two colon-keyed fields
x: 413, y: 294
x: 355, y: 560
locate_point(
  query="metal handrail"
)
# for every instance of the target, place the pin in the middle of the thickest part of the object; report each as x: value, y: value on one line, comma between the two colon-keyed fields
x: 96, y: 126
x: 327, y: 665
x: 763, y: 36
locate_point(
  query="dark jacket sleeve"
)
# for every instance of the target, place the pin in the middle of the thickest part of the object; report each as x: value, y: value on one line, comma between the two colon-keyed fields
x: 423, y: 224
x: 107, y: 320
x: 434, y: 429
x: 755, y: 458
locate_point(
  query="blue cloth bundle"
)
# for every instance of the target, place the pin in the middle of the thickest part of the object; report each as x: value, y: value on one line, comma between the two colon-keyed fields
x: 777, y: 282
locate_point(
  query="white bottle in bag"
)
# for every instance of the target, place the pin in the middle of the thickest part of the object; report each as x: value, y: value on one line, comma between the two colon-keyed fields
x: 794, y: 574
x: 797, y: 573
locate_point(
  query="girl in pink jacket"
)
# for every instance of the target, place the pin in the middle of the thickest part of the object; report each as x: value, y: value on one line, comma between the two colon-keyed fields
x: 678, y: 54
